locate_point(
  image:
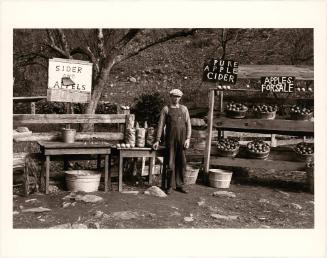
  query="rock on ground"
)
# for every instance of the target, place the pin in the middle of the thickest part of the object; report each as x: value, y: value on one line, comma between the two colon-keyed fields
x: 89, y: 198
x: 36, y: 210
x: 229, y: 217
x: 124, y: 215
x: 224, y: 193
x: 188, y: 219
x: 64, y: 226
x: 79, y: 226
x: 94, y: 225
x: 98, y: 214
x: 156, y: 191
x: 296, y: 206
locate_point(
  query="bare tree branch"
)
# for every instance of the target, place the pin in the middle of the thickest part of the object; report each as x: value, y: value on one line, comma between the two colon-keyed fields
x: 177, y: 34
x: 64, y: 42
x: 127, y: 38
x: 54, y: 46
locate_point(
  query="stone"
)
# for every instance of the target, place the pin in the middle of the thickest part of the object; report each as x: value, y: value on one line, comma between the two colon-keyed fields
x: 188, y: 219
x: 31, y: 200
x: 70, y: 196
x: 98, y: 214
x: 201, y: 203
x: 311, y: 202
x: 224, y: 193
x: 156, y: 191
x: 264, y: 226
x: 124, y: 215
x: 269, y: 202
x: 283, y: 193
x: 79, y: 226
x: 15, y: 196
x: 89, y: 198
x: 63, y: 226
x: 132, y: 79
x: 175, y: 213
x: 36, y: 210
x: 53, y: 189
x: 15, y: 212
x: 130, y: 192
x: 296, y: 206
x: 229, y: 217
x: 94, y: 225
x: 66, y: 204
x: 22, y: 129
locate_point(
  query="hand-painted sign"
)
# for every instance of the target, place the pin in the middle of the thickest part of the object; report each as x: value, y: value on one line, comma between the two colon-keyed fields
x: 222, y: 71
x: 69, y: 80
x: 278, y: 84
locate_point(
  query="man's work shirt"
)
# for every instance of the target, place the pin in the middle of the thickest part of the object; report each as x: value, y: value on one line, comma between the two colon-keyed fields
x: 163, y: 117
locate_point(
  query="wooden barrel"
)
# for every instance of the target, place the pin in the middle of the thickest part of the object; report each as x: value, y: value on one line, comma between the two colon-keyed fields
x: 220, y: 178
x: 191, y: 174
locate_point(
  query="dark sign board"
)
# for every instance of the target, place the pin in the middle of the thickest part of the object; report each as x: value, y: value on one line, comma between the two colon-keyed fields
x: 222, y: 71
x: 278, y: 83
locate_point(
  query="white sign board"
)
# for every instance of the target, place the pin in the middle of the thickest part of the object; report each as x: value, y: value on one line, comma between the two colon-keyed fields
x: 68, y: 76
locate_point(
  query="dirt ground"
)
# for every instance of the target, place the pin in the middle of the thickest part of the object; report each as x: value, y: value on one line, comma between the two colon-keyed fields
x: 273, y: 200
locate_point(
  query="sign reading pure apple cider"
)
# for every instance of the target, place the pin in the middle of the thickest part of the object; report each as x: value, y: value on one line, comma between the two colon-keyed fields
x: 69, y: 80
x: 219, y: 70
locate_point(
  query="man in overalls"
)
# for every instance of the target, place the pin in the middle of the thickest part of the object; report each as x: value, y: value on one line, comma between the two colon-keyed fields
x: 176, y: 118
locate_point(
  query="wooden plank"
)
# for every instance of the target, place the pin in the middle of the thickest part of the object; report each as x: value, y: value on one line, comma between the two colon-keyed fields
x: 257, y: 71
x: 68, y: 95
x: 29, y: 99
x: 77, y: 151
x: 58, y: 145
x: 209, y: 134
x: 256, y: 163
x: 53, y: 136
x: 68, y: 118
x: 277, y: 126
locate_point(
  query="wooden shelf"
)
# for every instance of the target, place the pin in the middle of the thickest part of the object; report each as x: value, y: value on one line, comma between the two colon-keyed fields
x: 276, y: 126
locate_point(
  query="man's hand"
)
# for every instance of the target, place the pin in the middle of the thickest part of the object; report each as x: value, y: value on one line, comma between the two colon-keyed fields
x: 187, y: 143
x: 155, y: 145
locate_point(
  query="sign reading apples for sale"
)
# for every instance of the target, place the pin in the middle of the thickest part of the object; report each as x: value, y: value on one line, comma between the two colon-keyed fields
x: 219, y: 70
x: 284, y: 84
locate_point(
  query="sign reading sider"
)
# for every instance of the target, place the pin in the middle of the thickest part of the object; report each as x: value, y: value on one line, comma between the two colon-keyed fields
x: 283, y: 84
x: 222, y: 71
x: 69, y: 80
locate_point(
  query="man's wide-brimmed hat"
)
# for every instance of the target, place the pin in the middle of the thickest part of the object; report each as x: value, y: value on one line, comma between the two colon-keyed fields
x: 176, y: 92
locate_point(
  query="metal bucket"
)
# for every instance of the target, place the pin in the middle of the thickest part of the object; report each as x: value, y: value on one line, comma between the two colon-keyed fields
x: 82, y: 180
x: 68, y: 135
x: 220, y: 178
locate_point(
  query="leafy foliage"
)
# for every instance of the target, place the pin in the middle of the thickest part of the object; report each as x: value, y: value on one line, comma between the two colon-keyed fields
x: 147, y: 108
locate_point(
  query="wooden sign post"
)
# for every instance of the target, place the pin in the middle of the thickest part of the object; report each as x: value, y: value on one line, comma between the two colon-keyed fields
x: 222, y: 72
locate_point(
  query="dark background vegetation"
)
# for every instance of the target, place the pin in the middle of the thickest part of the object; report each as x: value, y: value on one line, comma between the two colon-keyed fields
x: 176, y: 63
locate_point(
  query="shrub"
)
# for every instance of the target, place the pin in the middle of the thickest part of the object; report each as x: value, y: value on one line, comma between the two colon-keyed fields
x: 147, y: 107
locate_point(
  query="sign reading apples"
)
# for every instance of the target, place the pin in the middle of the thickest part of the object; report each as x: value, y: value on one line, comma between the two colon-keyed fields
x: 219, y: 70
x: 277, y: 84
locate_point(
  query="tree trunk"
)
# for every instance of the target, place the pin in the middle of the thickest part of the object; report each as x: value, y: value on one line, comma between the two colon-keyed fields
x: 96, y: 94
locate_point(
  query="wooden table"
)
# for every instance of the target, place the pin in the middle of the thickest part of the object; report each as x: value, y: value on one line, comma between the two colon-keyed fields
x: 76, y: 148
x: 136, y: 152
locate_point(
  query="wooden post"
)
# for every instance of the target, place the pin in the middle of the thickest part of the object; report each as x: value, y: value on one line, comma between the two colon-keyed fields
x: 209, y: 134
x: 273, y: 140
x: 221, y: 100
x: 33, y: 108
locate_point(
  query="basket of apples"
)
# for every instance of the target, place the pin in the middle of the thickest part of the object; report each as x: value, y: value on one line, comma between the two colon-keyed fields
x: 301, y: 113
x: 236, y: 110
x: 258, y: 149
x: 228, y: 147
x: 304, y: 151
x: 264, y: 111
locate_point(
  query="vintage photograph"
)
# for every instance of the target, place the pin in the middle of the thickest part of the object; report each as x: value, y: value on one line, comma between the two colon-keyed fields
x: 203, y: 128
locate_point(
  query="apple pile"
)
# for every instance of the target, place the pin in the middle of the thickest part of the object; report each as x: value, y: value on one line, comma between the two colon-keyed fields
x: 258, y: 147
x: 300, y: 110
x: 228, y: 145
x: 304, y: 148
x: 263, y: 108
x: 236, y: 107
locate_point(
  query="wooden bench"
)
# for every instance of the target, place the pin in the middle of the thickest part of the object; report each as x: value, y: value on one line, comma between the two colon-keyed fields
x: 32, y: 119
